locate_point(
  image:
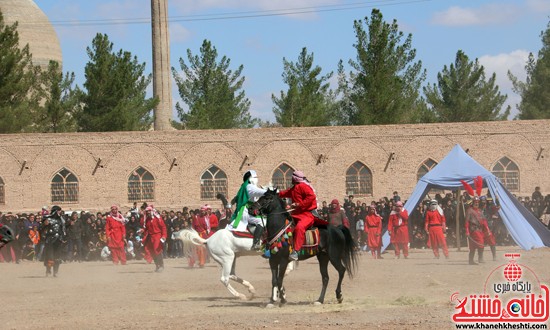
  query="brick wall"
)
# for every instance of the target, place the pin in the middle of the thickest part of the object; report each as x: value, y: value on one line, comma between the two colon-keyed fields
x: 323, y: 153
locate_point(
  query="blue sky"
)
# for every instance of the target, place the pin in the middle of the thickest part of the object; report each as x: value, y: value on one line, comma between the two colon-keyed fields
x: 259, y: 33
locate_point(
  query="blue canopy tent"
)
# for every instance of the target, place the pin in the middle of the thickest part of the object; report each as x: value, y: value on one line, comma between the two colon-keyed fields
x: 526, y: 230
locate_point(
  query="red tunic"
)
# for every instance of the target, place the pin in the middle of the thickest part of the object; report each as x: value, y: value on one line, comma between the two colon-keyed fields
x: 116, y: 232
x: 304, y: 197
x: 214, y: 222
x: 435, y: 226
x: 398, y: 226
x: 373, y: 227
x: 154, y: 230
x: 202, y: 226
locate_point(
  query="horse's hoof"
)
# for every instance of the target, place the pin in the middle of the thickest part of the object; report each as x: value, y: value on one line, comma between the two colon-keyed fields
x: 243, y: 297
x: 252, y: 296
x: 270, y: 305
x: 340, y: 300
x: 317, y: 303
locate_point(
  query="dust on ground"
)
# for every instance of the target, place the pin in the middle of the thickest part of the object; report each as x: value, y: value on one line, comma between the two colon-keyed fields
x: 384, y: 294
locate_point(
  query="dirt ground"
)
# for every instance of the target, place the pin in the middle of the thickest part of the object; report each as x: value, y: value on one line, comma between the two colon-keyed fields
x: 384, y: 294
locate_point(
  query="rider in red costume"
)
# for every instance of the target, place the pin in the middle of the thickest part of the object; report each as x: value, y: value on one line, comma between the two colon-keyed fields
x: 303, y: 202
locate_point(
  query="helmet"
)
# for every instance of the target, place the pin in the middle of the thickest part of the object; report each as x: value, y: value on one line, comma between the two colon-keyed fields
x: 55, y: 208
x: 6, y: 234
x: 251, y: 177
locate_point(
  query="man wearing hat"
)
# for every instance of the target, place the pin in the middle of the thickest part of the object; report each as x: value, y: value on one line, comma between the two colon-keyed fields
x: 53, y: 227
x: 435, y: 227
x: 154, y: 236
x: 303, y: 202
x: 398, y: 229
x: 241, y: 219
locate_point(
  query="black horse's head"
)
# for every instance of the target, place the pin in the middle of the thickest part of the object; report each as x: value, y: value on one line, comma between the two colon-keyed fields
x: 268, y: 203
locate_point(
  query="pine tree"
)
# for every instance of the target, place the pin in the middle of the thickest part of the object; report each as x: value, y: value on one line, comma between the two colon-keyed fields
x: 535, y: 91
x: 212, y: 92
x: 57, y: 113
x: 307, y: 102
x: 464, y: 94
x: 115, y: 96
x: 19, y: 88
x: 383, y: 87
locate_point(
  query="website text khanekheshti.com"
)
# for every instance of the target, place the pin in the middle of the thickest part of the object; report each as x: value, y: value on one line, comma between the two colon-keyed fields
x: 501, y: 325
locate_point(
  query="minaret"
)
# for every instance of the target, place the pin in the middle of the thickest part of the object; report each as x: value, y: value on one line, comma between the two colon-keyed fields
x: 162, y: 80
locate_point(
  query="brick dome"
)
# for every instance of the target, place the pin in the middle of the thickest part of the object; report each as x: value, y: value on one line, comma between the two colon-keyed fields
x: 34, y: 29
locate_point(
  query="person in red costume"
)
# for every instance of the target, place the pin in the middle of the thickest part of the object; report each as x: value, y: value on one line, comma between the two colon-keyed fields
x: 303, y: 202
x: 115, y: 231
x: 373, y: 228
x: 154, y: 236
x: 476, y: 229
x: 201, y: 224
x: 212, y: 219
x: 435, y: 226
x: 398, y: 228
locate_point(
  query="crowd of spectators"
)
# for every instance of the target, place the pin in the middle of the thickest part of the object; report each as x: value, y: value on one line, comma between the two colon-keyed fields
x: 85, y: 234
x: 86, y: 241
x: 356, y: 211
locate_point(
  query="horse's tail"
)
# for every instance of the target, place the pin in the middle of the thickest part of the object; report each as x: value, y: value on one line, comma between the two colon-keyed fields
x: 349, y: 257
x: 189, y: 237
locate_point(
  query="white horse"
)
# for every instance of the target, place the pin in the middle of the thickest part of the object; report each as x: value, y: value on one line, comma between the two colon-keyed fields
x: 224, y: 248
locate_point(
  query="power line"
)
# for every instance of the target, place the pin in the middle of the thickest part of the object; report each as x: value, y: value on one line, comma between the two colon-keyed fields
x: 239, y: 15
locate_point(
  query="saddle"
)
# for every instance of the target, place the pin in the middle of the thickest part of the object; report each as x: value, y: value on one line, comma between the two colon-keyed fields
x: 311, y: 244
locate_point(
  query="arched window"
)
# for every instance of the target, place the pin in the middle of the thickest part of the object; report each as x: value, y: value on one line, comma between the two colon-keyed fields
x: 358, y: 180
x: 2, y: 192
x: 141, y: 186
x: 213, y: 181
x: 508, y: 173
x: 64, y: 188
x: 282, y: 177
x: 425, y: 168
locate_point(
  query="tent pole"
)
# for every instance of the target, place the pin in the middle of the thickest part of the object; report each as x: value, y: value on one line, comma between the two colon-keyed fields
x: 457, y: 218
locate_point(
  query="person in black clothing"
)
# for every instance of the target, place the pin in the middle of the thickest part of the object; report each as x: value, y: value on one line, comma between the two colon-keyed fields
x: 53, y: 226
x: 21, y: 238
x: 74, y: 238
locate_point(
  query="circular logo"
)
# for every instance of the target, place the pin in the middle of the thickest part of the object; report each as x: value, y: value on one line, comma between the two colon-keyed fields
x: 515, y: 308
x: 512, y: 272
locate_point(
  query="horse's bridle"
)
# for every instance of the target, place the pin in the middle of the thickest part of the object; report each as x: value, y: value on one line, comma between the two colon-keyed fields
x: 281, y: 231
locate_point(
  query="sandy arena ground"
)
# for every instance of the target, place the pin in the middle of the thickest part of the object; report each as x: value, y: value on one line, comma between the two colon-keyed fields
x: 385, y: 294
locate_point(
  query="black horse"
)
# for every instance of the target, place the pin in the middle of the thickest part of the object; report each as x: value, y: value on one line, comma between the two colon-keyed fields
x: 336, y: 245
